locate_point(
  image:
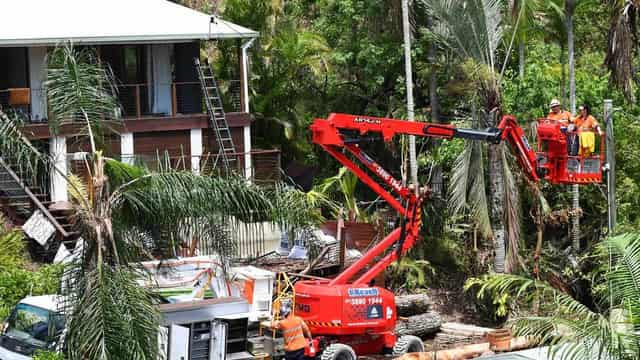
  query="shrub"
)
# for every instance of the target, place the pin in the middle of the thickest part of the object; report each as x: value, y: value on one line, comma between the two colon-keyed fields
x: 47, y: 355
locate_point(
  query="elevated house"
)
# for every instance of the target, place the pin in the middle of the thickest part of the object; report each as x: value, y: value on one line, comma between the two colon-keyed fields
x: 151, y: 46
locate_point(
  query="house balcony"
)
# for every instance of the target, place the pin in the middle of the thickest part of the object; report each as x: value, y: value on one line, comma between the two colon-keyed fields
x: 137, y: 101
x: 144, y: 107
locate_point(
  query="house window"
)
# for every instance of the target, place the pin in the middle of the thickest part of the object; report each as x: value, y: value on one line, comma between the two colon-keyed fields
x: 14, y: 75
x: 129, y: 67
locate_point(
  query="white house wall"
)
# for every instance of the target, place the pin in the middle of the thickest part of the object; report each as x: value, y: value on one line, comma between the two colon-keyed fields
x: 58, y: 151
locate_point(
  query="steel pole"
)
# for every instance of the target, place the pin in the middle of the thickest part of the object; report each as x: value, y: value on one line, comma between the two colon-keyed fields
x: 610, y: 165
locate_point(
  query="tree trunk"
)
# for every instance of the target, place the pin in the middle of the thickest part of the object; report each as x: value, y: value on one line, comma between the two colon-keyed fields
x: 570, y: 6
x: 413, y: 304
x: 419, y: 325
x: 406, y: 28
x: 496, y: 196
x: 563, y: 76
x: 437, y: 179
x: 433, y: 77
x: 575, y: 190
x: 521, y: 59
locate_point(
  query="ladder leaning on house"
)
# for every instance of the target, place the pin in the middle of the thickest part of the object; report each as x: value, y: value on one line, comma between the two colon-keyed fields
x: 213, y: 102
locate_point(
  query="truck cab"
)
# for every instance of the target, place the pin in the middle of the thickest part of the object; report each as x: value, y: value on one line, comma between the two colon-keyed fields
x: 34, y: 324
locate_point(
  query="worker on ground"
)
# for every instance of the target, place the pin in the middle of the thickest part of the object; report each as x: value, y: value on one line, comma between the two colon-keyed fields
x: 564, y: 118
x: 294, y: 330
x: 586, y: 126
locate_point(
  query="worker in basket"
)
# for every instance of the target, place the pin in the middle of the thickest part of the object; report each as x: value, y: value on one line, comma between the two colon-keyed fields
x: 294, y: 330
x: 586, y: 126
x: 564, y: 118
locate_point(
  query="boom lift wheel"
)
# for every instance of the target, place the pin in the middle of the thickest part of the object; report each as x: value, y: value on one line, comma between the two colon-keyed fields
x: 408, y: 344
x: 338, y: 352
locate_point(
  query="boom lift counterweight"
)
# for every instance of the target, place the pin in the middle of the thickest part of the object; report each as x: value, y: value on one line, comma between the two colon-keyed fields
x: 349, y: 309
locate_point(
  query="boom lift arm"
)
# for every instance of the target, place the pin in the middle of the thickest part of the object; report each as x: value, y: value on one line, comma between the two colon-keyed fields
x: 345, y: 132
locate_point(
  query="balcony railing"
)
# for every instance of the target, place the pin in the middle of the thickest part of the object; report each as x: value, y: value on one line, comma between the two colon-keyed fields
x: 20, y: 101
x: 265, y: 164
x: 137, y: 100
x: 179, y: 98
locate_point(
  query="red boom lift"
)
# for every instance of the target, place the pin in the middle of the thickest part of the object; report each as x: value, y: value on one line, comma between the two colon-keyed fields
x: 354, y: 316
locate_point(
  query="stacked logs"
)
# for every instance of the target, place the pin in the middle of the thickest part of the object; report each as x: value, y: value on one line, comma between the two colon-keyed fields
x: 415, y: 316
x: 455, y: 334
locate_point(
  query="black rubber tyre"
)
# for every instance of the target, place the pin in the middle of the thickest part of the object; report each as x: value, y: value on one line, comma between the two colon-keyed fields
x: 408, y: 344
x: 338, y: 352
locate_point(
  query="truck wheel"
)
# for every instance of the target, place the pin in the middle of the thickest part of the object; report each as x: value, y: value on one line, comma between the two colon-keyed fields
x: 338, y: 352
x: 408, y: 344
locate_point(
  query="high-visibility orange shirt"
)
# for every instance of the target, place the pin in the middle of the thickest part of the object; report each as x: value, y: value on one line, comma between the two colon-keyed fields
x: 588, y: 124
x: 293, y: 332
x: 562, y: 116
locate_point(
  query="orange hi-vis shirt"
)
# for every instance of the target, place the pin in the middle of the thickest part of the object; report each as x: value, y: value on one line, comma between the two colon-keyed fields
x: 293, y: 333
x: 563, y: 117
x: 588, y: 124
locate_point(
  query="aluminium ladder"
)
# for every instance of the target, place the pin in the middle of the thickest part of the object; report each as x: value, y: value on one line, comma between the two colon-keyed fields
x: 213, y: 102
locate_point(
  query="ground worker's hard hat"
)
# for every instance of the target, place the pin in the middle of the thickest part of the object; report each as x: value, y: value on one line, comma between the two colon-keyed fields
x: 285, y: 307
x: 554, y: 103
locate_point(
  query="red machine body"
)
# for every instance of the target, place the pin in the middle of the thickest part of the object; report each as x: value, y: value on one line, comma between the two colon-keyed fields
x: 554, y: 163
x: 350, y: 309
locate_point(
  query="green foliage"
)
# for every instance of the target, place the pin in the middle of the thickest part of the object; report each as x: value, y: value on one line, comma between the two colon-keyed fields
x: 343, y: 185
x: 79, y: 88
x: 408, y: 274
x: 575, y: 330
x: 110, y: 305
x: 17, y: 283
x: 11, y: 249
x: 47, y: 355
x: 120, y: 173
x: 497, y: 306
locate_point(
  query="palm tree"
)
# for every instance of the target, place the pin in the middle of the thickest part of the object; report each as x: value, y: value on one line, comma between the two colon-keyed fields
x: 522, y: 20
x: 623, y: 44
x: 473, y: 31
x: 610, y: 332
x: 124, y: 214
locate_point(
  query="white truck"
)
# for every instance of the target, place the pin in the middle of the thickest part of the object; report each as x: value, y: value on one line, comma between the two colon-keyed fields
x: 34, y: 324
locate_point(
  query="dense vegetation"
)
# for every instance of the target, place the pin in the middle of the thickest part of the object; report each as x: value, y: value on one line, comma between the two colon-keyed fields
x: 316, y: 57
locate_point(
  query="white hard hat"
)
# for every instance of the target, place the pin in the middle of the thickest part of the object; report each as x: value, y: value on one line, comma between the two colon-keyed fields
x: 285, y: 307
x: 554, y: 103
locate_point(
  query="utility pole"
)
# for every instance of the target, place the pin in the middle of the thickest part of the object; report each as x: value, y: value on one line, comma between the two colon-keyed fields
x: 610, y: 165
x: 406, y: 28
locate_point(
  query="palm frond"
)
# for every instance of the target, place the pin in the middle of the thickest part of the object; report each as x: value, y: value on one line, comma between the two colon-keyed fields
x: 109, y: 316
x: 459, y: 183
x: 295, y: 209
x: 17, y: 150
x: 621, y: 47
x: 79, y: 88
x: 574, y: 330
x: 477, y: 196
x: 174, y: 209
x: 471, y: 28
x: 169, y: 197
x: 624, y: 275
